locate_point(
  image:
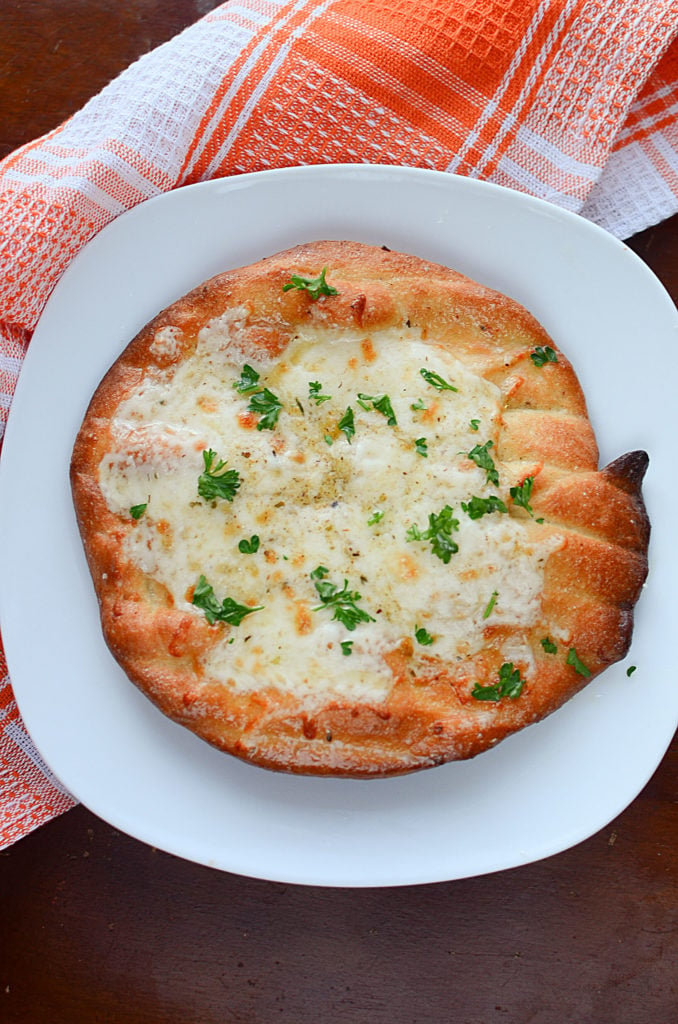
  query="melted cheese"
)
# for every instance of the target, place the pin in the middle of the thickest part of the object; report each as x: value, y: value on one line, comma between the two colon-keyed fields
x: 310, y: 494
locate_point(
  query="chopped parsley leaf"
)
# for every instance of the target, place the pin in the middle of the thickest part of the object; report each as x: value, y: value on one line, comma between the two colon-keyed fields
x: 521, y: 495
x: 423, y: 636
x: 421, y: 447
x: 343, y: 602
x: 347, y: 424
x: 490, y: 604
x: 380, y: 403
x: 578, y: 665
x: 227, y: 611
x: 478, y: 507
x: 439, y: 533
x: 376, y: 517
x: 548, y: 645
x: 509, y: 685
x: 630, y: 670
x: 136, y: 511
x: 249, y: 380
x: 216, y: 480
x: 542, y: 355
x: 315, y: 286
x: 474, y: 424
x: 267, y: 406
x: 249, y: 547
x: 419, y: 404
x: 315, y: 392
x: 347, y: 647
x: 480, y: 454
x: 436, y: 381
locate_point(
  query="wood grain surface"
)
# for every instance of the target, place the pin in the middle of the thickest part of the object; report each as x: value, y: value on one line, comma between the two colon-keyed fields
x: 97, y: 927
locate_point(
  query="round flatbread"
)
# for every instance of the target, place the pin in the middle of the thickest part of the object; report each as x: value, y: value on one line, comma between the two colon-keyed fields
x: 343, y: 514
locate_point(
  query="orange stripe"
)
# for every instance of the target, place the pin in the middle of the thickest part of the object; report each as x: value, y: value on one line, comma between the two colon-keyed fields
x: 269, y: 35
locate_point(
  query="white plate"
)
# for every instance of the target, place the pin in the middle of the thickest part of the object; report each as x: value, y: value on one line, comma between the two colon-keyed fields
x: 535, y: 794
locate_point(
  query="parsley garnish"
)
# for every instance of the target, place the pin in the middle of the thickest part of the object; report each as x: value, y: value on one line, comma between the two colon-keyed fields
x: 439, y: 533
x: 315, y: 392
x: 510, y: 685
x: 521, y: 495
x: 477, y: 507
x: 436, y: 381
x: 578, y: 665
x: 249, y: 547
x: 227, y: 611
x: 376, y: 517
x: 137, y: 511
x: 548, y: 645
x: 343, y: 602
x: 315, y: 286
x: 630, y: 670
x: 490, y: 604
x: 540, y: 355
x: 268, y: 406
x: 381, y: 403
x: 419, y: 404
x: 421, y: 447
x: 423, y: 636
x: 480, y: 454
x: 347, y: 424
x: 347, y: 647
x: 248, y: 381
x: 474, y: 424
x: 216, y: 481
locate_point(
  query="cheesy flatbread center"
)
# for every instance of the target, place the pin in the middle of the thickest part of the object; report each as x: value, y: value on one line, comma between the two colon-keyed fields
x: 343, y: 515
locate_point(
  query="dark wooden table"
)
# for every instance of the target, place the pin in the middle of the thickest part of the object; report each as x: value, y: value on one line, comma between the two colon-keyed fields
x: 96, y: 927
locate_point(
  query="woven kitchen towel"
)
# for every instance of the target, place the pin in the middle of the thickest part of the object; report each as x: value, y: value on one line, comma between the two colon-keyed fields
x: 574, y: 101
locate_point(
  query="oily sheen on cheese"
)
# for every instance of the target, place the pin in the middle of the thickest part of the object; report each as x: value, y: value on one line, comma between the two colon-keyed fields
x: 427, y: 453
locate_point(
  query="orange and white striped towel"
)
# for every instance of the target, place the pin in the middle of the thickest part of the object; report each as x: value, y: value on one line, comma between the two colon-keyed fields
x: 574, y: 101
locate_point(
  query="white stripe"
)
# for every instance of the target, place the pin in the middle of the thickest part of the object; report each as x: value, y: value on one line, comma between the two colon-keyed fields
x: 5, y: 400
x: 233, y: 90
x: 492, y: 106
x: 536, y: 186
x: 273, y: 67
x: 23, y: 741
x: 81, y: 185
x: 10, y: 364
x: 666, y: 150
x: 257, y: 17
x: 543, y: 148
x: 511, y: 119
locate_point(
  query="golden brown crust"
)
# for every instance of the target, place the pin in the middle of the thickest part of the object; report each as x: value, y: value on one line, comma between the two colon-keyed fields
x: 592, y: 579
